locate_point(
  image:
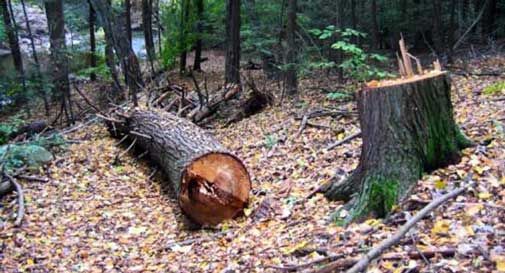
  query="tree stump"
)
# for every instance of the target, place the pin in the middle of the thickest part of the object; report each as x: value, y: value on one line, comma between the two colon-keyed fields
x: 211, y: 183
x: 407, y: 128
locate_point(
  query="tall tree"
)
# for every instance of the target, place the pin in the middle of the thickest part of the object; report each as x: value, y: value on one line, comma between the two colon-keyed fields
x: 38, y: 72
x: 375, y: 25
x: 437, y: 25
x: 122, y: 46
x: 12, y: 37
x: 92, y: 40
x: 185, y: 6
x: 147, y: 25
x: 128, y: 17
x: 56, y: 24
x: 291, y: 79
x: 199, y: 29
x: 232, y: 63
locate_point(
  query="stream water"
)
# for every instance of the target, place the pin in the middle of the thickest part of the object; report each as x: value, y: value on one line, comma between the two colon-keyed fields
x: 7, y: 66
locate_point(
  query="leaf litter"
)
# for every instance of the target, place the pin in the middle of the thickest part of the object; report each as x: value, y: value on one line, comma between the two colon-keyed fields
x: 95, y: 216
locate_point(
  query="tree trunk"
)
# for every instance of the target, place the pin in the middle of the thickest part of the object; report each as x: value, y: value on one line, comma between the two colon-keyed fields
x: 128, y: 17
x: 211, y: 184
x: 183, y: 35
x: 12, y: 37
x: 147, y: 13
x: 437, y: 26
x: 232, y: 63
x: 122, y: 46
x: 56, y: 25
x: 375, y: 25
x: 199, y: 29
x: 489, y: 22
x: 35, y: 60
x: 291, y: 79
x: 407, y: 128
x: 92, y: 41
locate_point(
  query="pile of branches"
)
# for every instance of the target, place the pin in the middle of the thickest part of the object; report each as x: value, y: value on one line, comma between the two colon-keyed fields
x: 199, y: 104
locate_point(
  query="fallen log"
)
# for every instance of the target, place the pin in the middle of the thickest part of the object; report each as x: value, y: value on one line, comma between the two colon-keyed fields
x: 211, y: 184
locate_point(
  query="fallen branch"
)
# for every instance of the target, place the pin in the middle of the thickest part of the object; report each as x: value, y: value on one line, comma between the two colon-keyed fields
x: 363, y: 263
x: 343, y: 141
x: 88, y: 101
x: 306, y: 265
x: 33, y: 178
x: 21, y: 200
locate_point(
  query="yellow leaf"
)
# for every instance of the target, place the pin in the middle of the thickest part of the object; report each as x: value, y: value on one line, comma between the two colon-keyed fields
x: 399, y: 269
x: 441, y: 227
x: 340, y: 136
x: 373, y: 222
x: 30, y: 262
x: 288, y: 250
x: 248, y: 211
x: 469, y: 230
x: 440, y: 184
x: 500, y: 263
x: 388, y: 265
x: 474, y: 209
x: 485, y: 195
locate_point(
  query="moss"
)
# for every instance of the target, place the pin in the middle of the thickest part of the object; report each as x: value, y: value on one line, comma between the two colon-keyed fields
x: 379, y: 196
x: 495, y: 89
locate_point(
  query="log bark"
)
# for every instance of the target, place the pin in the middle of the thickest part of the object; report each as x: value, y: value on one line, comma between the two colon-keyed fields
x: 211, y: 184
x: 407, y: 128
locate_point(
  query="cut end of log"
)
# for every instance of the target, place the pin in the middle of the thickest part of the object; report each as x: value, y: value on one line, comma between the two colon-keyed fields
x: 400, y: 81
x: 214, y: 187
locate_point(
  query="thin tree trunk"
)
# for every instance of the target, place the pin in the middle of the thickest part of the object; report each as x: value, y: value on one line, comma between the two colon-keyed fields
x: 35, y: 60
x: 489, y: 22
x: 232, y: 63
x: 199, y: 29
x: 92, y: 41
x: 56, y: 24
x: 291, y: 78
x: 437, y: 25
x: 147, y: 13
x: 375, y: 25
x: 184, y: 24
x: 128, y: 15
x: 12, y: 37
x: 124, y: 51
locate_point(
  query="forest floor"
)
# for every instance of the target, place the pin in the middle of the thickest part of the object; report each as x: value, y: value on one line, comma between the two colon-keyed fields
x: 94, y: 216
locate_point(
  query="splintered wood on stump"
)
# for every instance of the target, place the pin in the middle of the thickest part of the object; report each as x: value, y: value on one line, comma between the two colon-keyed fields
x: 407, y: 128
x: 211, y: 183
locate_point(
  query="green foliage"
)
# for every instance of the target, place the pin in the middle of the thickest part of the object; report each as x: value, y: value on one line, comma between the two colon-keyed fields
x: 495, y: 89
x: 271, y: 141
x: 338, y: 95
x: 179, y: 20
x: 32, y: 156
x: 357, y: 63
x: 3, y: 36
x: 9, y: 128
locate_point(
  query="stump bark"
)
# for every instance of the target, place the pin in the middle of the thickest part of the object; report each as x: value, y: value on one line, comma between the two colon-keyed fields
x: 211, y: 184
x: 407, y: 128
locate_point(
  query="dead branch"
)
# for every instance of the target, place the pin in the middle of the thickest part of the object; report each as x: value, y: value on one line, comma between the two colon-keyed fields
x: 21, y: 200
x: 363, y: 263
x: 343, y: 141
x: 308, y: 264
x: 32, y: 178
x: 88, y: 101
x: 118, y: 156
